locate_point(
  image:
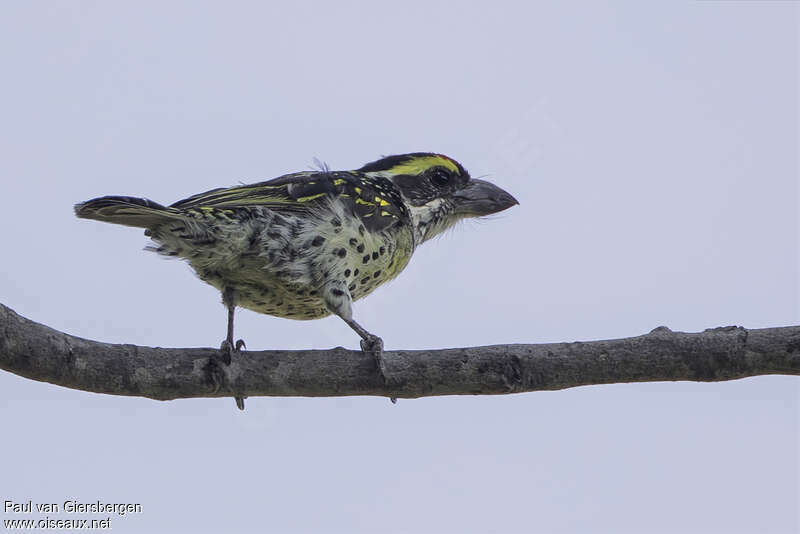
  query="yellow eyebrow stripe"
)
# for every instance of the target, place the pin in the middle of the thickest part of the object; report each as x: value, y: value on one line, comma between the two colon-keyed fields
x: 417, y: 166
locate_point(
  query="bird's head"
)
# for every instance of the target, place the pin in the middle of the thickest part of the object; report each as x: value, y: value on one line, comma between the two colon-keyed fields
x: 438, y: 191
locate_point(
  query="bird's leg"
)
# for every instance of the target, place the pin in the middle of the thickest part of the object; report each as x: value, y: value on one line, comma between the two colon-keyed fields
x: 228, y: 347
x: 370, y: 343
x: 338, y: 300
x: 374, y: 344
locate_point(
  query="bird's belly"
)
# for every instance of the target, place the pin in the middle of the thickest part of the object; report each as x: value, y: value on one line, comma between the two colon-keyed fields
x: 264, y: 292
x: 284, y: 269
x: 281, y: 301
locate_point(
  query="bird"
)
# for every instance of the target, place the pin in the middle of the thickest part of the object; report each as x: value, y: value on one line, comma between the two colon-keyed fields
x: 308, y: 244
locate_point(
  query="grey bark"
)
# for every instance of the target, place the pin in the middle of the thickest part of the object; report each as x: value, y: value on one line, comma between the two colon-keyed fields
x: 40, y: 353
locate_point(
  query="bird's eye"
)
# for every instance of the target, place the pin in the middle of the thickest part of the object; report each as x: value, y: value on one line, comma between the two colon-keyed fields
x: 440, y: 178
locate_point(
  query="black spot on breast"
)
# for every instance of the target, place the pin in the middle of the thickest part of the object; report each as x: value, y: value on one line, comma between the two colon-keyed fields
x: 365, y: 280
x: 347, y: 272
x: 377, y: 274
x: 361, y: 229
x: 352, y: 287
x: 383, y: 250
x: 374, y: 255
x: 360, y: 248
x: 355, y: 273
x: 336, y: 222
x: 341, y: 253
x: 337, y: 292
x: 312, y: 292
x: 253, y: 239
x: 318, y: 240
x: 353, y: 241
x: 202, y: 241
x: 365, y: 259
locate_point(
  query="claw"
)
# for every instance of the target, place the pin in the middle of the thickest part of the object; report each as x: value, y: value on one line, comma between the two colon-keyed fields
x: 240, y: 344
x: 374, y: 344
x: 240, y: 402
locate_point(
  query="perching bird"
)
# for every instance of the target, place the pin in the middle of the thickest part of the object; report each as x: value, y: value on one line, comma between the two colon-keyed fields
x: 307, y: 244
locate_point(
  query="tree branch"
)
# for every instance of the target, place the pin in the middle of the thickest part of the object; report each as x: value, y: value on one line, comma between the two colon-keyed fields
x: 40, y: 353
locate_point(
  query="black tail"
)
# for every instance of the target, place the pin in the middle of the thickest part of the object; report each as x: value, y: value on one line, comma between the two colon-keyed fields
x: 130, y: 211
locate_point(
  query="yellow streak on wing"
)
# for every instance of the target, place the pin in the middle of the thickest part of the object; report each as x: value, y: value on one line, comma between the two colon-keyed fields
x: 362, y: 201
x: 417, y: 166
x: 338, y: 181
x: 381, y: 202
x: 311, y: 197
x: 358, y: 190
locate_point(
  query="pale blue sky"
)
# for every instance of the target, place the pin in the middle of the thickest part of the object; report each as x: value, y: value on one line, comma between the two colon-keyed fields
x: 653, y: 148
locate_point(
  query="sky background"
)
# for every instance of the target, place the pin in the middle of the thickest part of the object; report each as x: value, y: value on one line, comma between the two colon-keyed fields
x: 653, y: 148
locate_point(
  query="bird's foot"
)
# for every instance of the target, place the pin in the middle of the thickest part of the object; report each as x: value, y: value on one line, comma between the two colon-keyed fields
x: 373, y: 344
x: 228, y: 350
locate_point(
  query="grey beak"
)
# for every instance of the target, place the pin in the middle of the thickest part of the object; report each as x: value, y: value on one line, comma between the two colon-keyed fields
x: 480, y: 197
